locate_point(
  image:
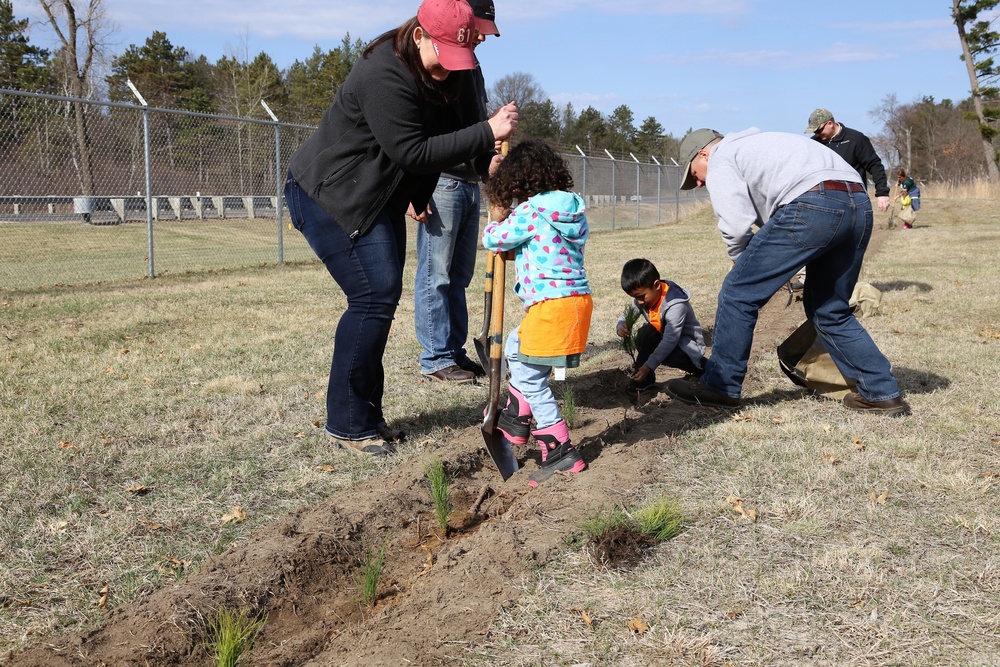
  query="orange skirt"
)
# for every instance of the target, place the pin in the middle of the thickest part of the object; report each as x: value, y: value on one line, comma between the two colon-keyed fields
x: 556, y: 327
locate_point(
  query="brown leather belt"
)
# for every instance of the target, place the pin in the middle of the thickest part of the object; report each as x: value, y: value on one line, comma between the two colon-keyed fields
x: 843, y: 186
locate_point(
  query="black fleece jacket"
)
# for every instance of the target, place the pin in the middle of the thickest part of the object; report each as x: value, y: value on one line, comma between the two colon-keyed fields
x: 377, y: 133
x: 858, y: 151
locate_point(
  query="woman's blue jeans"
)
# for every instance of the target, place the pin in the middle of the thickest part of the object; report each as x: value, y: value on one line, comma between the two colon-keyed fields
x: 827, y: 231
x: 446, y: 261
x: 370, y: 272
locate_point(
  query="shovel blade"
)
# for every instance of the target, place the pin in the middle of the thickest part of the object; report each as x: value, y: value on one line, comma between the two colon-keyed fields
x: 500, y: 450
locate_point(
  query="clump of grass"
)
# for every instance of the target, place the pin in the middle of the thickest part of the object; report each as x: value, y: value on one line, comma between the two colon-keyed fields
x: 372, y: 564
x: 661, y: 520
x: 231, y: 635
x: 617, y: 537
x: 632, y: 316
x: 437, y: 480
x: 569, y: 405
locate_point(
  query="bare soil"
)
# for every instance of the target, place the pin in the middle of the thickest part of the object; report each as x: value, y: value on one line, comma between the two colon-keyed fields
x: 439, y: 592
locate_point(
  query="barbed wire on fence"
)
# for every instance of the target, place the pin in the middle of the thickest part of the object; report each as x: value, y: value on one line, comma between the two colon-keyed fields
x: 171, y: 191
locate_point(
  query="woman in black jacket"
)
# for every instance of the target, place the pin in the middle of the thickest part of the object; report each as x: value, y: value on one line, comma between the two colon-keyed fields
x: 404, y: 113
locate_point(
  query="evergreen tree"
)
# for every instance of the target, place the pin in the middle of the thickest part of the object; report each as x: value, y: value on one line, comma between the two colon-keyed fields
x: 979, y: 43
x: 621, y: 126
x: 23, y: 66
x: 591, y: 130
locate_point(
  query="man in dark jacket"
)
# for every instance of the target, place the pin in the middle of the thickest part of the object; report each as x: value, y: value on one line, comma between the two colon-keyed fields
x: 855, y: 148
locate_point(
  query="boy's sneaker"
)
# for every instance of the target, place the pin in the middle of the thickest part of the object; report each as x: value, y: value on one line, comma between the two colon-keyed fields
x: 645, y: 385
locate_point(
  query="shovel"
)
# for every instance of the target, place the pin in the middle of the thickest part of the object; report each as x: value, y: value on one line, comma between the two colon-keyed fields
x: 496, y: 444
x: 482, y: 341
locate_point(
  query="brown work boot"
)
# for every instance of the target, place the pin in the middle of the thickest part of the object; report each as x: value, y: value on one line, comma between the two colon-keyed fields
x: 453, y: 373
x: 894, y: 407
x: 693, y: 392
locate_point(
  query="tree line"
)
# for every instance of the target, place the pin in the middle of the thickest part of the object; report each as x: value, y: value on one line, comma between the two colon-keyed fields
x: 934, y: 140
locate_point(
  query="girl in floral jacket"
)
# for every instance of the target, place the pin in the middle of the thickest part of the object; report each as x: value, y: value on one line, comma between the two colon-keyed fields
x: 545, y: 236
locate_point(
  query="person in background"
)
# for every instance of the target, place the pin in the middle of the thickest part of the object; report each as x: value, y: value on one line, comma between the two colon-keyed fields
x: 401, y: 117
x: 546, y: 235
x: 671, y: 335
x: 855, y: 148
x: 447, y: 242
x: 812, y: 210
x: 909, y: 196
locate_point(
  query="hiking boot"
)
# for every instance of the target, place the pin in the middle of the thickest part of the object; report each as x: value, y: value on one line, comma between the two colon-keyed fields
x: 693, y: 392
x: 472, y: 367
x: 379, y: 446
x: 558, y: 453
x: 453, y: 373
x: 894, y: 407
x: 515, y: 420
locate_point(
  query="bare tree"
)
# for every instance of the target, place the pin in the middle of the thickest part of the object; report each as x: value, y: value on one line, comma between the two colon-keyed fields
x: 79, y: 37
x: 519, y: 87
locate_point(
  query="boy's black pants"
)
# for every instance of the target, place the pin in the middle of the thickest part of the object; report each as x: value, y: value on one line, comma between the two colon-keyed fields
x: 646, y: 340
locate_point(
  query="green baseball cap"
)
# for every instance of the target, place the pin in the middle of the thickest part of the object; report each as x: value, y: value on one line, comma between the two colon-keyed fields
x: 693, y: 142
x: 817, y: 118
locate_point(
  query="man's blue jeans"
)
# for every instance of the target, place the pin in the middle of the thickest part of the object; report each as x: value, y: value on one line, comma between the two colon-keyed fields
x: 370, y: 272
x: 827, y: 231
x: 446, y: 260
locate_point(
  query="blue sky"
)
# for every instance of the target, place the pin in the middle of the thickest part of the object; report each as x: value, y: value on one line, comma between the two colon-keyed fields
x: 725, y: 64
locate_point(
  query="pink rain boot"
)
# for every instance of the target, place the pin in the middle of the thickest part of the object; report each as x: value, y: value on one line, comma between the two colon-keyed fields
x: 558, y: 453
x: 515, y: 420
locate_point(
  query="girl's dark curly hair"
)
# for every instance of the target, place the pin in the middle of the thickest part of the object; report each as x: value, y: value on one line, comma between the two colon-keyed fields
x: 532, y: 167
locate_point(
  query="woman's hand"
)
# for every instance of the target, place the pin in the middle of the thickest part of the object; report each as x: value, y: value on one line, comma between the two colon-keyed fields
x: 504, y: 121
x: 419, y: 217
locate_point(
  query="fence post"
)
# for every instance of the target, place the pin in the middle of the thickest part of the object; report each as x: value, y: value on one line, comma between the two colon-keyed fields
x: 279, y: 207
x: 149, y: 176
x: 636, y: 189
x: 584, y: 155
x: 659, y: 192
x: 677, y: 195
x: 614, y: 196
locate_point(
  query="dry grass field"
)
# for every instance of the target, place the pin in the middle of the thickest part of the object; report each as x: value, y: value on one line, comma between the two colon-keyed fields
x: 157, y: 433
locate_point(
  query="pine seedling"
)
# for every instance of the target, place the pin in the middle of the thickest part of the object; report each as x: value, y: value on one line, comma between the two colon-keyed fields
x: 632, y: 316
x: 231, y: 635
x: 569, y: 405
x: 372, y: 565
x: 437, y: 480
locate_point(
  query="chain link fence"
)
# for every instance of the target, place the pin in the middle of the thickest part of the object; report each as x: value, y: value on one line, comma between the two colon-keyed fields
x: 104, y: 191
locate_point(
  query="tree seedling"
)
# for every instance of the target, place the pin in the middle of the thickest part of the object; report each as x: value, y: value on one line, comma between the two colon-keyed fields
x: 231, y: 635
x: 437, y: 480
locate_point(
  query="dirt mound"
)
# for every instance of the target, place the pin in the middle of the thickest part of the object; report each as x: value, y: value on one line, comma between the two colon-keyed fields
x: 439, y: 593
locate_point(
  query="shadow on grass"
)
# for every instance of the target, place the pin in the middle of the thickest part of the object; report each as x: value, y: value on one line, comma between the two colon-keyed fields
x: 902, y: 285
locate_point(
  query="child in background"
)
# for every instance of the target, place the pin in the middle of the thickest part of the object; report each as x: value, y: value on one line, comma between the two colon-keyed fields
x: 545, y: 237
x: 671, y: 335
x: 909, y: 199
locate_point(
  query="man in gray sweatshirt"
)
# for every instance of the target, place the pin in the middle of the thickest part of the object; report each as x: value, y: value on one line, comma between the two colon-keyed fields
x: 812, y: 211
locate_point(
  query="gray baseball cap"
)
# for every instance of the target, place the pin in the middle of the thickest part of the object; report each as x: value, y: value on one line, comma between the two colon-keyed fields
x: 817, y: 118
x: 693, y: 142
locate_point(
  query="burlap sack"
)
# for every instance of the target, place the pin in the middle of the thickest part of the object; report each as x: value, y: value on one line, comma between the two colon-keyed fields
x: 804, y: 359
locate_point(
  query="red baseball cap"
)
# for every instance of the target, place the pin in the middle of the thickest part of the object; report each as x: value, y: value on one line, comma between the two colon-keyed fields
x: 451, y: 25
